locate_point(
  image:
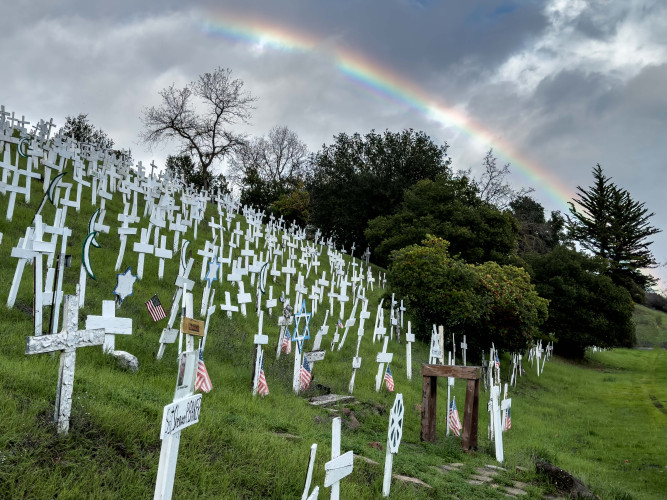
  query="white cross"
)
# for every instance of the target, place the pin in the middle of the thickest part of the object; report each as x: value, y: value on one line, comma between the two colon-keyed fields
x: 435, y: 352
x: 183, y: 283
x: 409, y: 339
x: 340, y: 466
x: 110, y: 323
x: 228, y: 306
x: 181, y: 413
x: 143, y: 247
x: 382, y: 358
x: 495, y: 417
x: 259, y: 340
x: 66, y: 342
x: 161, y: 252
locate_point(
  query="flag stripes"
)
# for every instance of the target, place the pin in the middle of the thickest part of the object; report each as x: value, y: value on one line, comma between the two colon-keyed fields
x: 155, y: 308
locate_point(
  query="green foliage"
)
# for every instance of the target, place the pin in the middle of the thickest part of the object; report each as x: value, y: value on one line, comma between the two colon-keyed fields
x: 586, y: 308
x: 613, y: 226
x: 294, y: 206
x: 80, y: 129
x: 182, y: 167
x: 488, y: 302
x: 436, y: 287
x: 358, y: 178
x: 514, y: 310
x: 450, y: 209
x: 536, y: 234
x: 650, y: 327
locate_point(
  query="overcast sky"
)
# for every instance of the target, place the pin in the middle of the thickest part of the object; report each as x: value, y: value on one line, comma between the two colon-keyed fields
x: 554, y: 87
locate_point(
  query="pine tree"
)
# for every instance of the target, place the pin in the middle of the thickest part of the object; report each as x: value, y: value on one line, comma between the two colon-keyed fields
x: 610, y: 224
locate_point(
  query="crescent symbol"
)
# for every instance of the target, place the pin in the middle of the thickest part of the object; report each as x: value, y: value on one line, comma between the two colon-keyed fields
x: 24, y: 140
x: 91, y: 227
x: 184, y: 248
x: 54, y: 184
x: 85, y: 254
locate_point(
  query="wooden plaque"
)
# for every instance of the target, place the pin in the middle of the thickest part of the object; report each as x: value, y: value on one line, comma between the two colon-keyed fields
x: 192, y: 326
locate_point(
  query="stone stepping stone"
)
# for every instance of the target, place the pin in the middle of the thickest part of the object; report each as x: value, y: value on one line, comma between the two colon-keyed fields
x: 286, y: 435
x: 328, y: 399
x: 412, y: 480
x: 481, y: 478
x: 515, y: 491
x: 366, y: 459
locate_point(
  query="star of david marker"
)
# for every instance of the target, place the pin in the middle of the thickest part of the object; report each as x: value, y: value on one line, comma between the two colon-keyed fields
x: 124, y: 284
x: 212, y: 273
x: 303, y: 313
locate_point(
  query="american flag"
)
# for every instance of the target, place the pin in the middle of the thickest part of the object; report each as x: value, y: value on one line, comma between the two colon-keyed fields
x: 287, y: 343
x: 497, y: 360
x: 203, y: 381
x: 340, y: 324
x: 262, y: 387
x: 389, y: 379
x: 304, y: 375
x: 453, y: 420
x: 155, y: 308
x: 508, y: 420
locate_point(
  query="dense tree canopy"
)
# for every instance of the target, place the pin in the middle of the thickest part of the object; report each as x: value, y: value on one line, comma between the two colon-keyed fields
x: 536, y: 234
x: 586, y: 308
x: 358, y: 178
x: 611, y: 225
x: 182, y: 167
x: 488, y: 302
x: 449, y: 208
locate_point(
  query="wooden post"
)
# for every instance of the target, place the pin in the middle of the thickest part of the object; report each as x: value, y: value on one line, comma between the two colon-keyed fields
x: 430, y: 374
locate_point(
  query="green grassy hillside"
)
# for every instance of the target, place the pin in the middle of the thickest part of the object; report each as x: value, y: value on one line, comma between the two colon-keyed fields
x: 600, y: 420
x: 651, y: 327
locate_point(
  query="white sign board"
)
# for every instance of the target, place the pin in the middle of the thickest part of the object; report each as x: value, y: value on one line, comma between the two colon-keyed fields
x: 180, y: 414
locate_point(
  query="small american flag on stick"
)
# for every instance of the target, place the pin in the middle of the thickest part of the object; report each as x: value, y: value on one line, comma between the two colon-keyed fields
x: 202, y: 381
x: 389, y: 379
x: 304, y: 375
x: 155, y: 308
x: 262, y: 387
x: 453, y: 420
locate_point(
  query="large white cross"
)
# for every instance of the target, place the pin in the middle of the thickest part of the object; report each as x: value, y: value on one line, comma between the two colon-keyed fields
x: 143, y: 247
x: 181, y: 413
x: 66, y: 342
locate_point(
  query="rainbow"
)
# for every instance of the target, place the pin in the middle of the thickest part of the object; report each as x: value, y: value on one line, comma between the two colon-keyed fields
x: 381, y: 81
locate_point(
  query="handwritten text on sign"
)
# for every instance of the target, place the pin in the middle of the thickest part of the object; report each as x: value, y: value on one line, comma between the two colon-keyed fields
x: 180, y: 414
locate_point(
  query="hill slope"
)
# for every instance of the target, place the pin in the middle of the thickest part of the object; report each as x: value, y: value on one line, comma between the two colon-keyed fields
x: 651, y: 327
x: 245, y: 447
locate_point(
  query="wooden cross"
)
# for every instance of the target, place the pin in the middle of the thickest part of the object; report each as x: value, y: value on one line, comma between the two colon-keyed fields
x: 340, y: 466
x: 161, y: 252
x: 183, y: 283
x: 243, y: 297
x: 66, y: 342
x: 435, y: 354
x: 228, y: 306
x: 505, y: 405
x: 111, y: 325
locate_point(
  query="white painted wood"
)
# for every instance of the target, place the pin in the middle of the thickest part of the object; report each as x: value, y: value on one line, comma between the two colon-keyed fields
x: 110, y: 323
x: 495, y: 413
x: 340, y: 466
x: 394, y: 435
x: 464, y: 348
x: 66, y: 342
x: 309, y: 474
x: 382, y: 358
x: 409, y: 339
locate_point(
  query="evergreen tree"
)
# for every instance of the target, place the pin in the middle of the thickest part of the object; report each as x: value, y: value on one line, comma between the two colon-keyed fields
x: 611, y: 225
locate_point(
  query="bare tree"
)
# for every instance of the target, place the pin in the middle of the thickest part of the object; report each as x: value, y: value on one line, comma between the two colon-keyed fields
x: 203, y: 127
x: 492, y: 186
x: 278, y: 158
